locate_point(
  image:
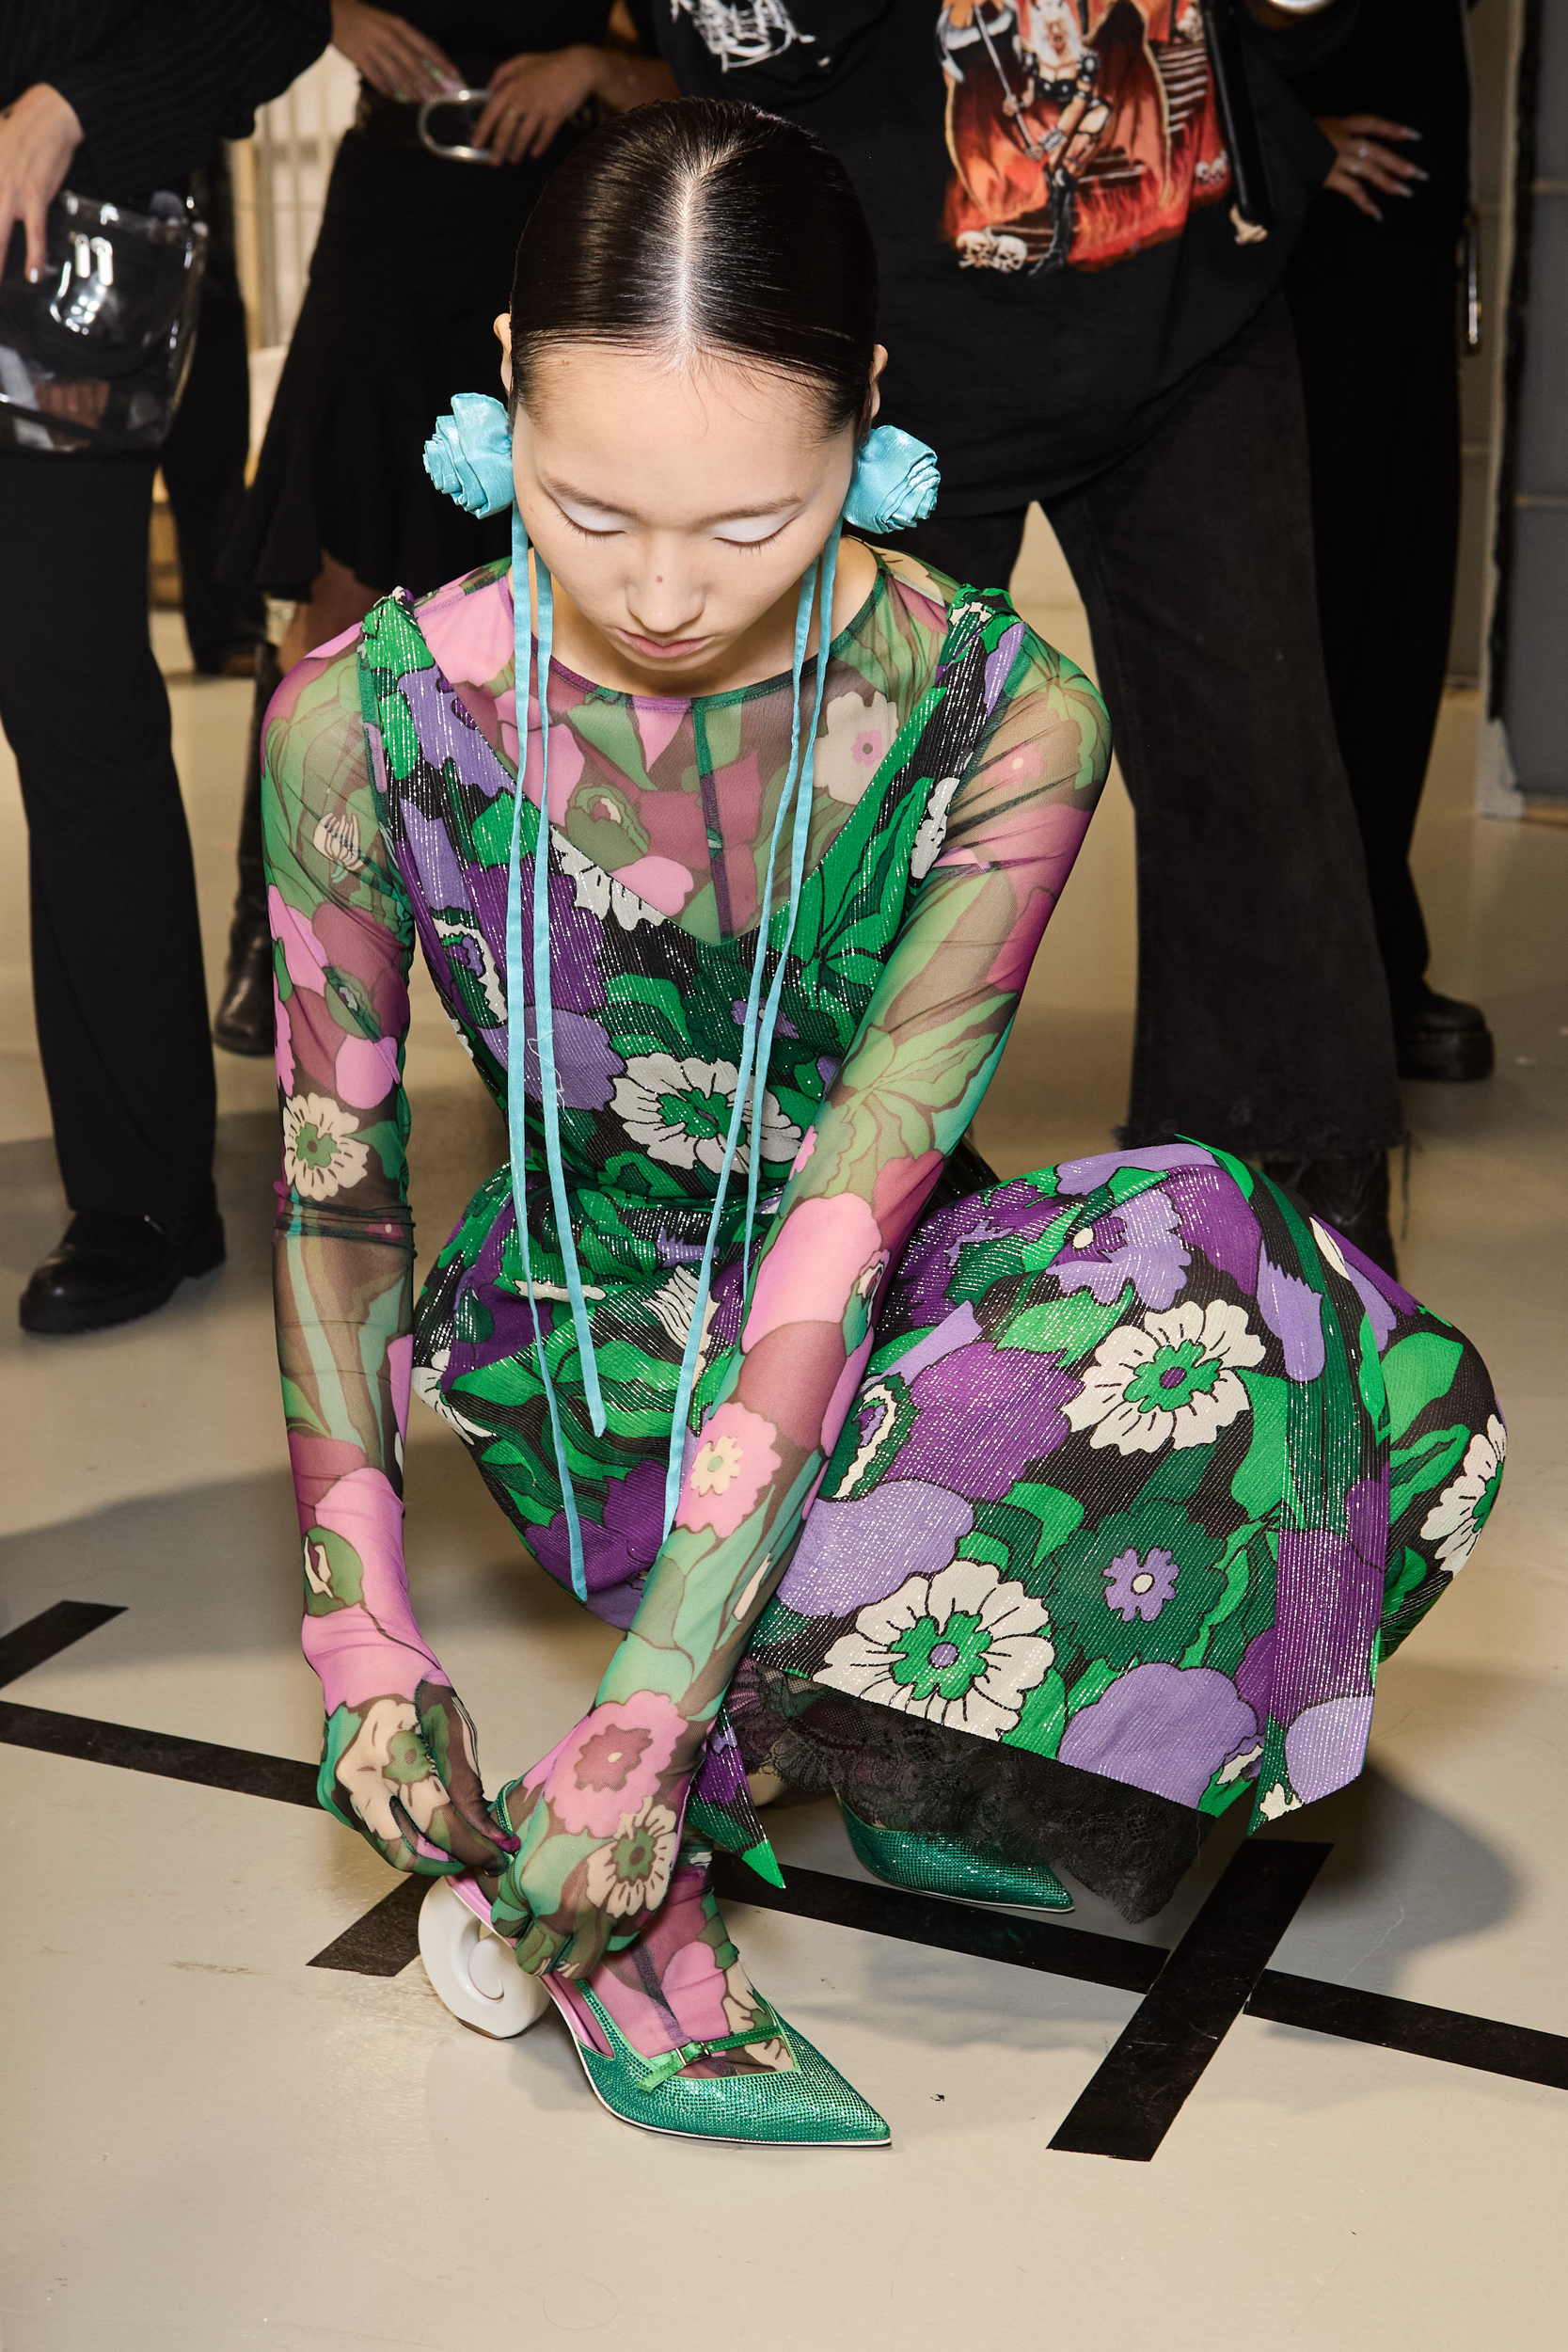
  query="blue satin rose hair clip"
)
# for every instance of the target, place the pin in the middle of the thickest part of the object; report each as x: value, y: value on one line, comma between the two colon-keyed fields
x: 469, y: 456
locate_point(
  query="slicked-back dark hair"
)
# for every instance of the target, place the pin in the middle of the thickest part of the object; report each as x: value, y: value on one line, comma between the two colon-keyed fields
x: 698, y: 226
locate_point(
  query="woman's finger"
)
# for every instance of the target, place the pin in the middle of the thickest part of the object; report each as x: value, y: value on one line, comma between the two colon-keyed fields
x: 35, y: 218
x: 1378, y: 127
x: 1344, y: 184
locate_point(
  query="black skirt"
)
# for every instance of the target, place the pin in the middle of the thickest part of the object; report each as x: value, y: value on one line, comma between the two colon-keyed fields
x: 413, y: 262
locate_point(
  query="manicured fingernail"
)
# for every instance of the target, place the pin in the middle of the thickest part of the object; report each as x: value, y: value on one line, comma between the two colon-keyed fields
x: 33, y: 277
x: 1417, y: 173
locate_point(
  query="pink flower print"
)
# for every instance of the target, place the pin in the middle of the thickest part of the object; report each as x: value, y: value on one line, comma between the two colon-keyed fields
x: 808, y: 1145
x: 566, y: 762
x: 470, y: 634
x: 366, y: 1070
x: 732, y: 1463
x: 659, y: 879
x: 608, y: 1768
x: 813, y: 1264
x: 1140, y: 1588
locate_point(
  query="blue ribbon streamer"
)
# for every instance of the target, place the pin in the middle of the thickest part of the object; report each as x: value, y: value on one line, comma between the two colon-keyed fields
x: 469, y: 456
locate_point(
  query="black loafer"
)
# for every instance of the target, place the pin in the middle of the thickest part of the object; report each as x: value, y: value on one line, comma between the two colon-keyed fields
x: 244, y: 1021
x: 1442, y: 1037
x: 1349, y: 1194
x: 110, y: 1269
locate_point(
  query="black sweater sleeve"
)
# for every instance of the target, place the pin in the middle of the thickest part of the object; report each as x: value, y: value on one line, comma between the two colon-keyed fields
x: 176, y: 75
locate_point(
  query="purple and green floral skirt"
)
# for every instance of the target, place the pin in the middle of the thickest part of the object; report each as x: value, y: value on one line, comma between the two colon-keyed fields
x: 1147, y: 1476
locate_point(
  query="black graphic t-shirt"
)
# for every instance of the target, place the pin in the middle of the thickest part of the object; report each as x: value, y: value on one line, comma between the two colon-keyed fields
x: 1051, y: 196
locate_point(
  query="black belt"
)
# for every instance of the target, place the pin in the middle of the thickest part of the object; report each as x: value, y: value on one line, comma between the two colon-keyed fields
x: 427, y: 125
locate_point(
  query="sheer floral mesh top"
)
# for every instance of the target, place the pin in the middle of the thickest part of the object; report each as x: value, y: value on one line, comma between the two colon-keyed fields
x: 956, y: 764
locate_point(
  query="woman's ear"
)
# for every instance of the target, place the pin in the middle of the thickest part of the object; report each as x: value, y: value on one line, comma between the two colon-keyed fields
x: 873, y: 390
x: 503, y: 335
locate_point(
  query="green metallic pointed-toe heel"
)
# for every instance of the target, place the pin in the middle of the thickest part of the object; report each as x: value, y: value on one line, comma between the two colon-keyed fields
x: 945, y: 1865
x: 806, y: 2106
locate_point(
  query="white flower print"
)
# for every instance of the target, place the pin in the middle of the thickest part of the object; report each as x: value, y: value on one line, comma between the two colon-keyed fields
x: 962, y: 1648
x: 631, y: 1871
x: 680, y: 1111
x: 426, y: 1380
x: 387, y: 1736
x: 933, y: 828
x: 322, y: 1154
x: 601, y: 893
x: 1462, y: 1510
x: 853, y: 745
x: 1169, y: 1381
x: 1277, y: 1802
x: 336, y: 838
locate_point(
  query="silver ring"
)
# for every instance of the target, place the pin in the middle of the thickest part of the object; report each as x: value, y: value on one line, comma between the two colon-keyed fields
x: 456, y: 155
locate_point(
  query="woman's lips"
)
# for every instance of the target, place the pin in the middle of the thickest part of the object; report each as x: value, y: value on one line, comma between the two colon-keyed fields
x: 662, y: 648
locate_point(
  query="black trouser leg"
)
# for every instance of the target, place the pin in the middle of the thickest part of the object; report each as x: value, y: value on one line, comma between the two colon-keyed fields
x: 117, y: 977
x: 1263, y: 1020
x: 1377, y: 329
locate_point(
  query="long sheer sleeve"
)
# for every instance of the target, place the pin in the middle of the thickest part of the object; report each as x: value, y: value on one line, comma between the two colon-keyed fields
x: 398, y: 1757
x: 923, y: 1057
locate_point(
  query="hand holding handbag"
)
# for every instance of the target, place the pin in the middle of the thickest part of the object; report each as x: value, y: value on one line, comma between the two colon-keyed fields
x: 93, y: 356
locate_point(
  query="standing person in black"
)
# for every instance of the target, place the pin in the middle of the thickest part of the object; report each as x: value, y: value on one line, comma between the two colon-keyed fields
x: 120, y: 99
x: 1080, y: 314
x: 1372, y: 288
x: 399, y: 317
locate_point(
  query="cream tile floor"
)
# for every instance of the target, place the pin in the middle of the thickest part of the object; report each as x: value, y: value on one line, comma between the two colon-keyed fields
x: 210, y: 2144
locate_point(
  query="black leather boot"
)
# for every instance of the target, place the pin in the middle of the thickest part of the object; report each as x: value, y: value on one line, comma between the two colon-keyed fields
x: 243, y: 1023
x: 1351, y: 1195
x: 110, y: 1269
x: 1442, y: 1037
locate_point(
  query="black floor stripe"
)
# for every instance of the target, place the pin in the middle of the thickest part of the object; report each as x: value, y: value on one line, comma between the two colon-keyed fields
x: 384, y: 1942
x: 1391, y: 2023
x: 1156, y: 2061
x: 1002, y: 1935
x: 1520, y: 2052
x: 48, y: 1633
x: 165, y: 1752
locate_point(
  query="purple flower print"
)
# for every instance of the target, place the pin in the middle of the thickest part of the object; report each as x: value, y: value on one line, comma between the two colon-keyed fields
x: 1140, y: 1588
x: 1216, y: 1219
x: 1293, y: 1313
x: 438, y: 874
x: 615, y: 1556
x: 851, y: 1553
x: 1076, y: 1177
x: 447, y: 731
x: 1136, y: 1242
x: 722, y: 1774
x: 1326, y: 1745
x: 586, y: 1064
x: 1001, y: 661
x: 1165, y: 1728
x: 993, y: 1409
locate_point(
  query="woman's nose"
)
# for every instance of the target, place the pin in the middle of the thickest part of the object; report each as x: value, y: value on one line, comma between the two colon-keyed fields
x: 662, y: 603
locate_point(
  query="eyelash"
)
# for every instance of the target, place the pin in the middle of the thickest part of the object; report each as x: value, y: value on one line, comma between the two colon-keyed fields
x: 741, y: 547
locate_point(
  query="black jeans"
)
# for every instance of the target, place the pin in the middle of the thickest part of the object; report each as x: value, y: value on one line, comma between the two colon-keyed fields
x: 1376, y: 319
x: 1263, y: 1022
x: 117, y: 983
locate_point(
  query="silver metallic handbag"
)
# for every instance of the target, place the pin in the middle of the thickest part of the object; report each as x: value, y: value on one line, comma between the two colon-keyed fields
x: 94, y: 357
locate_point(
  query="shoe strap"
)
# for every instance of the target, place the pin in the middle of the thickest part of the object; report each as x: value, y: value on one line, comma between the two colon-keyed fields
x: 659, y: 2069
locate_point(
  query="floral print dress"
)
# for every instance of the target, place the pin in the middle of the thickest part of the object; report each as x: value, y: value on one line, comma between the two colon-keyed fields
x: 1065, y: 1511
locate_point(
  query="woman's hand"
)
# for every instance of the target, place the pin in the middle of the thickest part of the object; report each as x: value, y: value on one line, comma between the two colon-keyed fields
x: 1360, y: 162
x: 404, y: 1771
x: 531, y: 96
x: 395, y: 59
x: 598, y: 1824
x: 39, y: 135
